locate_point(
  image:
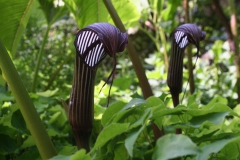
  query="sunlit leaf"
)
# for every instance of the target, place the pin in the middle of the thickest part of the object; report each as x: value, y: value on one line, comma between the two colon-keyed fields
x: 98, y: 112
x: 87, y: 12
x: 127, y: 12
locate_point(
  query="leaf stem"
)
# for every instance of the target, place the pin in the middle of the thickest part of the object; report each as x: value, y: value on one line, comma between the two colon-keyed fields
x: 137, y: 65
x: 39, y: 59
x: 189, y: 51
x: 30, y: 115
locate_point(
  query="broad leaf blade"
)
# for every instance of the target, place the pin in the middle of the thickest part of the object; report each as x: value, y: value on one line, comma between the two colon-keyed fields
x: 14, y: 17
x: 172, y: 146
x: 87, y: 12
x: 127, y: 12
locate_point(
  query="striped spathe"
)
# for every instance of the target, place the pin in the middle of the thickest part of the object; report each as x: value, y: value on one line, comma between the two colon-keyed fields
x: 92, y: 44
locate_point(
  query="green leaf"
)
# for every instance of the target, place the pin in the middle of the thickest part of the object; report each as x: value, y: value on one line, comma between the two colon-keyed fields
x: 133, y: 103
x: 109, y: 133
x: 213, y: 108
x: 30, y: 153
x: 157, y: 5
x: 214, y: 147
x: 111, y: 111
x: 170, y: 11
x: 18, y: 122
x: 5, y: 97
x: 167, y: 111
x: 122, y: 83
x: 127, y: 115
x: 215, y: 118
x: 98, y: 111
x: 155, y: 102
x: 29, y: 142
x: 48, y: 93
x: 68, y: 150
x: 51, y: 12
x: 172, y: 146
x: 127, y: 12
x: 142, y: 120
x: 215, y: 100
x: 87, y: 12
x: 14, y: 17
x: 61, y: 157
x: 231, y: 151
x: 7, y: 144
x: 120, y: 152
x: 206, y: 129
x: 131, y: 139
x: 81, y: 155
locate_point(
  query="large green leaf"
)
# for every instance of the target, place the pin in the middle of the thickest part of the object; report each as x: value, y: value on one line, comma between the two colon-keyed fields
x: 127, y: 12
x: 87, y: 12
x: 172, y: 146
x: 14, y: 15
x: 92, y: 11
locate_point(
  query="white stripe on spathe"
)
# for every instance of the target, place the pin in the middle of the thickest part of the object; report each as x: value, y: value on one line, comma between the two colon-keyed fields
x: 181, y: 39
x: 96, y: 54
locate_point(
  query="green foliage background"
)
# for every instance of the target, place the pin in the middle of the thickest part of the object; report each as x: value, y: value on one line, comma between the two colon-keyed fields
x: 209, y: 118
